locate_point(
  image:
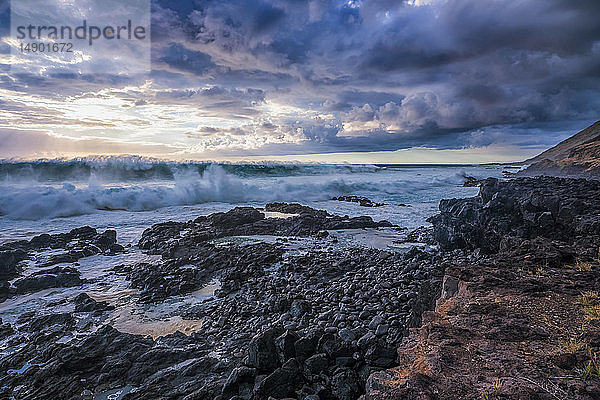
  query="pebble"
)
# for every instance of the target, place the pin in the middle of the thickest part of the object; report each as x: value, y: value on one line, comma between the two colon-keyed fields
x: 382, y: 329
x: 346, y: 335
x: 375, y: 322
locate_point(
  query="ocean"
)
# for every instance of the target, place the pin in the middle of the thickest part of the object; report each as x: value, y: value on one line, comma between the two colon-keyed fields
x: 129, y: 194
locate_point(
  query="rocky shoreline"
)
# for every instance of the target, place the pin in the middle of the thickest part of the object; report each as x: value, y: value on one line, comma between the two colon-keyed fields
x: 291, y: 314
x: 521, y: 318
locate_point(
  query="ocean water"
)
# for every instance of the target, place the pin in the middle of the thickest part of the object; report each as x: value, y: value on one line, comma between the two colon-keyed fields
x: 129, y: 194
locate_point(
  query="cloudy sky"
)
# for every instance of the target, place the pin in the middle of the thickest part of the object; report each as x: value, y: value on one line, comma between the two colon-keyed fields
x: 357, y: 81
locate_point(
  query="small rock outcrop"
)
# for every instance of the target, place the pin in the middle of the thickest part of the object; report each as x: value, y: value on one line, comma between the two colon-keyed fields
x: 77, y: 243
x: 362, y: 201
x: 553, y: 208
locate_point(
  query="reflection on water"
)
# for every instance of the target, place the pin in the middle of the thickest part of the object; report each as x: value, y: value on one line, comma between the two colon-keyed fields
x: 103, y: 284
x: 158, y: 320
x: 127, y: 321
x: 114, y: 394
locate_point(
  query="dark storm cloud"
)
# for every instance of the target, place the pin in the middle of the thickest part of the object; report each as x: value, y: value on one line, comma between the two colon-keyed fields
x: 495, y: 63
x: 179, y: 57
x: 466, y: 29
x: 389, y: 74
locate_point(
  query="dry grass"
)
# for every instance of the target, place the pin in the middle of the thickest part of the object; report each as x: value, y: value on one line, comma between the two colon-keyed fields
x: 497, y: 385
x: 581, y: 266
x: 589, y: 298
x: 591, y: 305
x: 592, y: 367
x: 572, y: 345
x: 593, y: 312
x: 540, y: 270
x: 537, y: 272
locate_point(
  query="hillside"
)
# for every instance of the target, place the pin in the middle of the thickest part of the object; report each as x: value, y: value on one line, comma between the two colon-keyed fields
x: 578, y: 155
x: 564, y: 148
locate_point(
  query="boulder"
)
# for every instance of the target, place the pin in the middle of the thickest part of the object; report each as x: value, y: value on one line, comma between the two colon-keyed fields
x: 285, y: 346
x: 84, y: 303
x: 239, y: 383
x: 262, y: 353
x: 49, y: 278
x: 9, y: 260
x: 344, y: 385
x: 280, y: 383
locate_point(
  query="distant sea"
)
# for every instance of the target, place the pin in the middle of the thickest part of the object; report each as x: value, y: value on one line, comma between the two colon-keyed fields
x: 129, y: 194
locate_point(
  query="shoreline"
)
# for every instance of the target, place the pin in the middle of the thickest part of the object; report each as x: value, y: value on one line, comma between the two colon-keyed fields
x: 298, y: 318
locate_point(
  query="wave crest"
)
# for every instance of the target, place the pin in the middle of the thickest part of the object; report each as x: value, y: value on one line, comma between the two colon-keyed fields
x: 137, y: 169
x: 213, y: 184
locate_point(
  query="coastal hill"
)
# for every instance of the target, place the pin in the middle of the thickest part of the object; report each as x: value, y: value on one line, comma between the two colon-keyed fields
x: 572, y: 145
x: 578, y: 155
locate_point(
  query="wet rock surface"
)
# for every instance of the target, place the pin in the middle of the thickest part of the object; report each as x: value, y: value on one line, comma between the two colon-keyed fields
x: 84, y: 303
x: 471, y: 181
x: 362, y: 201
x: 168, y: 237
x: 288, y: 318
x: 190, y: 265
x: 48, y: 278
x: 47, y: 250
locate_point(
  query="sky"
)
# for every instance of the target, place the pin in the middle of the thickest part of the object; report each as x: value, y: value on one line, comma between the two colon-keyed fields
x: 318, y: 80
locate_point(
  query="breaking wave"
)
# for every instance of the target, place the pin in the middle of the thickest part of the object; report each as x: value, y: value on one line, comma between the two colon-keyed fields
x: 135, y: 168
x: 211, y: 183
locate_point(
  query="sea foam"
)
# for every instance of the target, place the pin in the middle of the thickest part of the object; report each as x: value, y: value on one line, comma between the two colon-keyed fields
x: 192, y: 184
